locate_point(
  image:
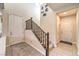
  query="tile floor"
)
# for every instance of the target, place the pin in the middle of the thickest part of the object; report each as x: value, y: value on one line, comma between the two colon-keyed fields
x: 22, y: 49
x: 64, y: 49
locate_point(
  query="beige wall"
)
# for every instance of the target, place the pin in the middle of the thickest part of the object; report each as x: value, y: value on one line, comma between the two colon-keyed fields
x: 77, y: 23
x: 58, y: 29
x: 48, y: 24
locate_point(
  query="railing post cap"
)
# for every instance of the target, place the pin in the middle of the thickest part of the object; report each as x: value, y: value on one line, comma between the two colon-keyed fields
x: 47, y: 32
x: 31, y: 18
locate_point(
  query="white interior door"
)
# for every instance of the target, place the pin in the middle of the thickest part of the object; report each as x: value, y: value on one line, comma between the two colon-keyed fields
x: 16, y: 29
x: 66, y: 28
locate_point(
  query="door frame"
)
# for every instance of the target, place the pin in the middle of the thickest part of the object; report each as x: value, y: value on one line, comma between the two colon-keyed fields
x: 75, y: 28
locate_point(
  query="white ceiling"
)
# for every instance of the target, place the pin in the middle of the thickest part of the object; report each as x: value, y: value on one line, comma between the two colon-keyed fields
x: 67, y: 13
x: 22, y: 9
x: 59, y: 7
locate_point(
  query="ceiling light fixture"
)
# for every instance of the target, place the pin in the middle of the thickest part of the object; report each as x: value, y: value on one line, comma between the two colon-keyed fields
x: 64, y: 13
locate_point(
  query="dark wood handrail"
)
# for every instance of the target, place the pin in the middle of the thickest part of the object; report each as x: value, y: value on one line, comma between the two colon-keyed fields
x: 38, y: 26
x: 42, y: 36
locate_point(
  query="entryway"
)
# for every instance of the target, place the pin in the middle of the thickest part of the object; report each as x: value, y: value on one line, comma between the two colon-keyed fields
x: 66, y: 33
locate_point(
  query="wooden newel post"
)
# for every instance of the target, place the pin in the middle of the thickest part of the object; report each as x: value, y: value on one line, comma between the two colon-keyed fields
x: 26, y: 24
x: 31, y: 22
x: 47, y: 49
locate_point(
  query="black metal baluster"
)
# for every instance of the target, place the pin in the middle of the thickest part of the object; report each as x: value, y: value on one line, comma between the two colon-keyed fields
x: 40, y: 34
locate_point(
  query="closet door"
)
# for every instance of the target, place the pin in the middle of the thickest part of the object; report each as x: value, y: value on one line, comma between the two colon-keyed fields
x: 15, y: 29
x: 66, y: 29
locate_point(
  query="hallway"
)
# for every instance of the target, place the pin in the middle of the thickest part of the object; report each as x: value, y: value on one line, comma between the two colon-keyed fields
x: 64, y: 50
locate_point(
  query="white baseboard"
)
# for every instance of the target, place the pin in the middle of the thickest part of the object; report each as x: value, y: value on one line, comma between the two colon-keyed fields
x: 12, y: 44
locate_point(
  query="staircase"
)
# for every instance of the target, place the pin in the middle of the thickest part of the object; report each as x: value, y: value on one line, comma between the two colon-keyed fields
x: 39, y: 33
